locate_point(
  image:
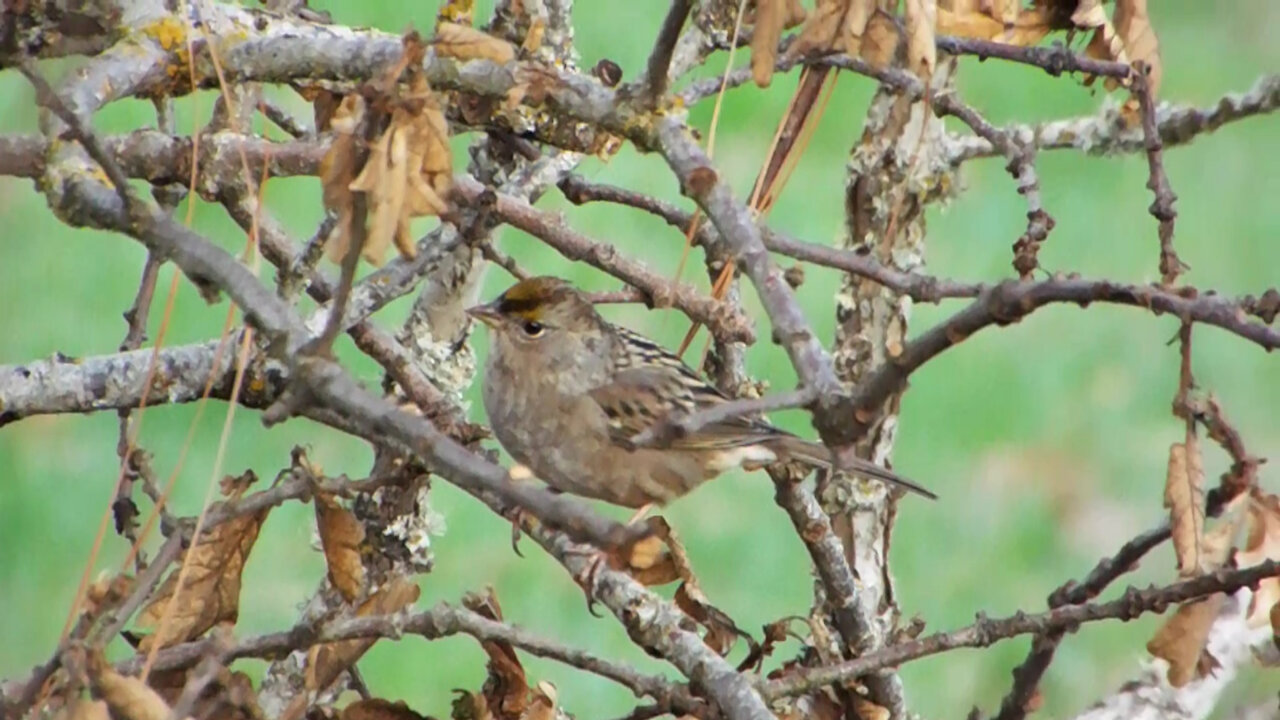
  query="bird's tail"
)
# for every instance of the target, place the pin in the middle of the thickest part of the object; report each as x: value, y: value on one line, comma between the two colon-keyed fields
x: 820, y: 455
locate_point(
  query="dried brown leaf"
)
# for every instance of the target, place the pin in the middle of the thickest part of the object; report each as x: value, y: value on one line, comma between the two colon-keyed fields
x: 864, y: 709
x: 235, y: 486
x: 1261, y: 544
x: 796, y: 14
x: 338, y: 169
x: 1089, y: 14
x: 1182, y: 638
x: 1133, y: 25
x: 81, y: 709
x: 821, y: 28
x: 469, y: 706
x: 968, y: 24
x: 922, y: 52
x: 506, y: 689
x: 229, y: 697
x: 879, y: 43
x: 1029, y: 27
x: 127, y: 697
x: 770, y: 17
x: 467, y: 43
x: 211, y: 587
x: 326, y: 662
x: 342, y: 537
x: 408, y: 174
x: 649, y: 562
x: 379, y: 709
x: 542, y: 705
x: 1184, y: 497
x: 106, y: 592
x: 1006, y: 11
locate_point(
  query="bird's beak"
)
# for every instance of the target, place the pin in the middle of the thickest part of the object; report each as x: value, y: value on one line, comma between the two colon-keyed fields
x: 487, y: 314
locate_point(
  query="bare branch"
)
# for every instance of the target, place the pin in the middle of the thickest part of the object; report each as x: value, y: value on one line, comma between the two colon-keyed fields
x: 1108, y: 133
x: 985, y: 632
x: 1158, y: 181
x: 1010, y: 301
x: 440, y: 621
x: 1022, y: 167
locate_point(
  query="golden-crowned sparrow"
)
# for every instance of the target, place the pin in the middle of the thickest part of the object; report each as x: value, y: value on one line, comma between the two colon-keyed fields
x: 566, y: 391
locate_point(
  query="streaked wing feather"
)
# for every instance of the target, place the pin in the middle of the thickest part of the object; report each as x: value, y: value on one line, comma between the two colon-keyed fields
x: 646, y: 375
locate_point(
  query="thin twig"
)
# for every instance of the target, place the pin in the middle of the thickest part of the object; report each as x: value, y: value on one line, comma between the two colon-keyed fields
x: 46, y: 97
x: 1022, y: 167
x: 1157, y: 181
x: 440, y: 621
x: 985, y: 632
x: 660, y: 59
x: 553, y: 231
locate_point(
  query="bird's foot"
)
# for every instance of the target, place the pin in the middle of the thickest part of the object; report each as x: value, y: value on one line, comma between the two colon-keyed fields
x: 587, y: 578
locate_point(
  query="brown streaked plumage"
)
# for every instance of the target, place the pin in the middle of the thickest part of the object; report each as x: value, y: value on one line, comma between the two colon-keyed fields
x: 566, y: 390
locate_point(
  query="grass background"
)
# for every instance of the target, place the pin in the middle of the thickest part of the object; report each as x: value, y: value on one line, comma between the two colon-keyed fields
x: 1046, y: 440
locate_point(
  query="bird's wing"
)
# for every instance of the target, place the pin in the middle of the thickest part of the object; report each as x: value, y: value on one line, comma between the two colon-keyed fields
x: 640, y: 397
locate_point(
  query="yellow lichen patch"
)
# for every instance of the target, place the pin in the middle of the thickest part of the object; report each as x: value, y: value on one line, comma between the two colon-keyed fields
x: 168, y: 31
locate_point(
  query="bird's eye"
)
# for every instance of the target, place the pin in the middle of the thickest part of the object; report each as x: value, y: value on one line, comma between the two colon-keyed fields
x: 533, y: 328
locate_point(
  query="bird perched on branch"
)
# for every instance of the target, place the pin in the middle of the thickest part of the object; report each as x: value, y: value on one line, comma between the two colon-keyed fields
x: 567, y: 391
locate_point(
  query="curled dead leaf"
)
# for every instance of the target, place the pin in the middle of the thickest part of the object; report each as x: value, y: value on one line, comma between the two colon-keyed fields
x: 230, y: 696
x: 342, y: 536
x: 1181, y: 640
x: 1184, y: 497
x: 467, y: 43
x: 533, y: 39
x: 326, y: 662
x: 922, y: 52
x: 127, y: 697
x: 233, y: 487
x: 879, y: 43
x: 82, y: 709
x: 1133, y: 25
x: 542, y: 704
x: 1261, y: 544
x: 506, y: 689
x: 379, y: 709
x: 770, y: 17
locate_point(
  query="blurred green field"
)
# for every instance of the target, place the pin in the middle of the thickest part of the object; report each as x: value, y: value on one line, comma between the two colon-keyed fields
x: 1046, y: 440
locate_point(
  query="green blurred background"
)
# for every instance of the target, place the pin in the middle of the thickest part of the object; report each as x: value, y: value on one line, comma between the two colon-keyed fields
x: 1046, y: 440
